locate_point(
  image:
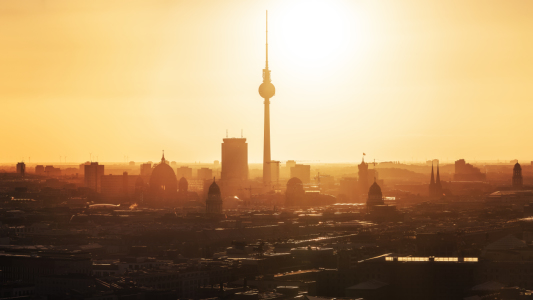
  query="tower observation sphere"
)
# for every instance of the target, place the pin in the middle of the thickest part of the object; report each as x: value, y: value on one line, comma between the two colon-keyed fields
x: 267, y: 90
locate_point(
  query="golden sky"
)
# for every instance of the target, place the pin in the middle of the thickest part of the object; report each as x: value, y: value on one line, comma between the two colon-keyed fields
x: 395, y: 79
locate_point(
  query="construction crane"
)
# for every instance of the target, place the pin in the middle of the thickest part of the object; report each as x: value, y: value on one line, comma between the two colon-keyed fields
x: 284, y: 161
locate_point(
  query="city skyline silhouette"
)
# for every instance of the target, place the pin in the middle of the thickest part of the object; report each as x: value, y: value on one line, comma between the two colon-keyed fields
x: 266, y: 150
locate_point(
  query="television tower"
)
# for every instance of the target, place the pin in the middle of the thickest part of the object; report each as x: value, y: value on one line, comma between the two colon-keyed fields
x: 267, y: 91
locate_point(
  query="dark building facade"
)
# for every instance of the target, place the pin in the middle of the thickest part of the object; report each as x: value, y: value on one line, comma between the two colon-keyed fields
x: 93, y: 176
x: 213, y: 204
x: 21, y: 168
x: 517, y: 176
x: 467, y: 172
x: 302, y: 172
x: 234, y: 159
x: 435, y: 186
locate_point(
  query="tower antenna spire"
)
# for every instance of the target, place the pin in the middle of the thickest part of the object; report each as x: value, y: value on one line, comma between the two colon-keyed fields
x: 266, y: 40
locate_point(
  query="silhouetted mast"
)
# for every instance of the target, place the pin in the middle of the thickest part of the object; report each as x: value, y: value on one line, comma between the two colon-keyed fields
x: 266, y: 91
x: 266, y: 40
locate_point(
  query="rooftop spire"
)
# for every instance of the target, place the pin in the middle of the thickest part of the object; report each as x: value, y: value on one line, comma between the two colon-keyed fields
x: 266, y: 71
x: 163, y: 157
x: 266, y: 41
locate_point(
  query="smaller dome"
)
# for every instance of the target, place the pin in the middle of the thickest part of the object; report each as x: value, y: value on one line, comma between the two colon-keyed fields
x: 374, y: 189
x: 214, y: 189
x: 183, y: 185
x: 517, y: 167
x: 294, y: 181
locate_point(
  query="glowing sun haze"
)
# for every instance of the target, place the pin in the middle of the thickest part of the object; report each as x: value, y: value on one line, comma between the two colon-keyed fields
x: 395, y: 79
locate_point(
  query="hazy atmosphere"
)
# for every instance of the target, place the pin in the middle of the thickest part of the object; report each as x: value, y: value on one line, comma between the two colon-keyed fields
x: 448, y: 79
x: 266, y: 150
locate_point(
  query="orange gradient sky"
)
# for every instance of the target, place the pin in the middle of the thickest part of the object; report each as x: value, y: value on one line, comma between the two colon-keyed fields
x: 395, y: 79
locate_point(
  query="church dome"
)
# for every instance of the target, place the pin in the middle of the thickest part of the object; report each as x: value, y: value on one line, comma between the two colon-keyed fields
x: 214, y: 189
x: 183, y: 185
x: 163, y: 178
x: 374, y: 189
x: 294, y: 182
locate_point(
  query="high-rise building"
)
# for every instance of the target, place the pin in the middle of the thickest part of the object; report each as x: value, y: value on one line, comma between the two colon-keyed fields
x: 267, y: 91
x: 21, y: 168
x: 184, y: 172
x: 93, y: 176
x: 467, y: 172
x: 115, y: 188
x: 39, y: 170
x: 302, y: 172
x: 204, y: 174
x: 291, y: 163
x: 52, y: 171
x: 517, y: 176
x: 146, y: 170
x: 82, y: 167
x: 234, y: 159
x: 348, y: 189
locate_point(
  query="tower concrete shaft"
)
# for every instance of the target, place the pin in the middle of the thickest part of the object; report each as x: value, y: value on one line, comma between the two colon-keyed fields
x: 267, y: 176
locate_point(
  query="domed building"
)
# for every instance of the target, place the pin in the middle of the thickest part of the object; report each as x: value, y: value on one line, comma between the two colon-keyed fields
x: 378, y: 211
x: 183, y: 185
x: 294, y: 195
x: 184, y: 196
x: 213, y: 204
x: 375, y: 197
x: 163, y: 182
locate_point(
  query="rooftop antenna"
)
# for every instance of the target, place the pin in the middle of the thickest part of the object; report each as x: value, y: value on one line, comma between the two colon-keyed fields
x: 267, y: 39
x: 226, y: 133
